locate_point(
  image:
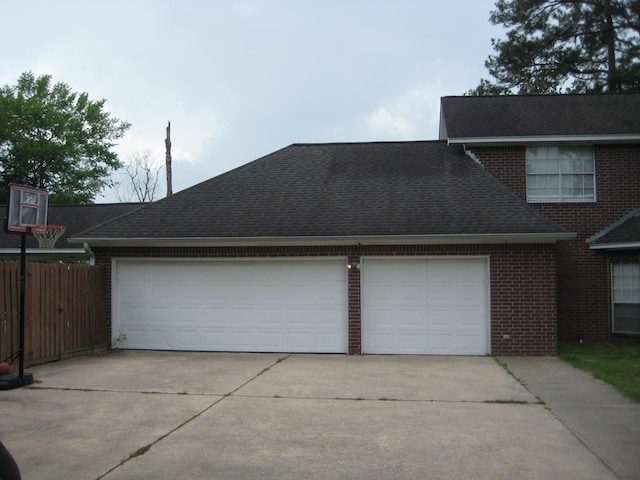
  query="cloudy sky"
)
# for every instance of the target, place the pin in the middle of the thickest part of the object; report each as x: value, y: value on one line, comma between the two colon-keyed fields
x: 239, y: 79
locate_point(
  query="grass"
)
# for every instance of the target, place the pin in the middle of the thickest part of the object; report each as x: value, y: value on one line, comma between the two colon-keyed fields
x: 504, y: 365
x: 616, y: 364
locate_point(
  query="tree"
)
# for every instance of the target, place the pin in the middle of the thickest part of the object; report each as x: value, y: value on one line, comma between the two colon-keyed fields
x: 56, y: 139
x: 141, y: 179
x: 564, y: 46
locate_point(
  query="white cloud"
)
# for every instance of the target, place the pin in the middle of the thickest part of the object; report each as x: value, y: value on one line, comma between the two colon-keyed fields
x: 412, y: 115
x: 190, y: 133
x: 239, y: 79
x: 390, y: 123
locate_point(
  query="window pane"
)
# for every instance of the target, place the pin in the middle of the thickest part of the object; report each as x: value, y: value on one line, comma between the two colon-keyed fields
x: 563, y: 174
x: 532, y: 152
x: 625, y: 286
x: 588, y: 165
x: 625, y: 281
x: 567, y: 153
x: 626, y: 318
x: 551, y: 165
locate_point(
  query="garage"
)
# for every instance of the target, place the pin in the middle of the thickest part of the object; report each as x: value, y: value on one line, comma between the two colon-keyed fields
x: 231, y: 305
x: 423, y: 306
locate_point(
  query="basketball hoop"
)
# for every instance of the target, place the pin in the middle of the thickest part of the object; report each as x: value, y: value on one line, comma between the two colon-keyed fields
x: 47, y: 235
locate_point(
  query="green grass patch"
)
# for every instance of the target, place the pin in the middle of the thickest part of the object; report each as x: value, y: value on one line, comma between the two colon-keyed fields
x: 504, y: 365
x: 616, y: 364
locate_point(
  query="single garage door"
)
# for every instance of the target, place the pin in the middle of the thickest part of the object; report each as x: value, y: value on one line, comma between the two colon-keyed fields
x: 248, y: 306
x: 425, y: 306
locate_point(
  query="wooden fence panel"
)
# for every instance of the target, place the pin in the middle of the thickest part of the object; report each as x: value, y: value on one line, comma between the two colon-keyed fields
x: 65, y: 310
x: 9, y: 307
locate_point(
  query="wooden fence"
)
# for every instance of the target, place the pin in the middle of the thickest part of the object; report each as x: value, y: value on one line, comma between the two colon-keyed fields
x: 65, y: 310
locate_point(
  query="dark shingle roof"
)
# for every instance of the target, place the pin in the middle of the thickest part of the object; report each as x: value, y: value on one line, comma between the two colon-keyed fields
x: 533, y: 115
x: 624, y: 231
x: 339, y: 190
x: 76, y: 219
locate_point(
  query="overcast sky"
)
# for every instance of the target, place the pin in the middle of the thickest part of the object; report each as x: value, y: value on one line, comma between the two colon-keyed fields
x: 239, y: 79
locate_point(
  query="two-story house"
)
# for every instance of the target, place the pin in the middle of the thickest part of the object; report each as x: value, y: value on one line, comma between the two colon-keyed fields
x: 472, y: 244
x: 575, y: 159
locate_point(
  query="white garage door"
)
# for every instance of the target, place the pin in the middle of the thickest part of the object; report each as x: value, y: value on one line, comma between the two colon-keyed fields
x: 425, y: 306
x: 250, y: 306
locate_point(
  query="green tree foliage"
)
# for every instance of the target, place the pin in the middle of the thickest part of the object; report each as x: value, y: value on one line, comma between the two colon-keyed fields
x: 564, y: 46
x: 53, y: 138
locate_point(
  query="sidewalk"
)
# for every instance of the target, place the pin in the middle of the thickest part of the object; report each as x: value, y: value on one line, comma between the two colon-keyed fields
x: 604, y: 420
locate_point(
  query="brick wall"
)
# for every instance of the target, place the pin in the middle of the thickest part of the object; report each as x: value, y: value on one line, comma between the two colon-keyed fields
x: 583, y: 294
x: 522, y: 279
x: 523, y: 303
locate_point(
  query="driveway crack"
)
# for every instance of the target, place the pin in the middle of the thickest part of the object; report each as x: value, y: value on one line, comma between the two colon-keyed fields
x: 144, y: 449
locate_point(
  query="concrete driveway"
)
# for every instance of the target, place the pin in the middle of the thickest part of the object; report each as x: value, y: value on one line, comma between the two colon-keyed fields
x: 145, y: 415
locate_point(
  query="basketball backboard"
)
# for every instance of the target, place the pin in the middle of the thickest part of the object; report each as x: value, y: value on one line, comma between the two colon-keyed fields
x: 27, y: 206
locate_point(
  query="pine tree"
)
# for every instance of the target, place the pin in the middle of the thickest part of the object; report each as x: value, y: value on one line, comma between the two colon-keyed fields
x: 564, y: 46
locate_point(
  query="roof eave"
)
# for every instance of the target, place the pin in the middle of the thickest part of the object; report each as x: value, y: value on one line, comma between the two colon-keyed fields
x: 43, y: 251
x: 346, y: 240
x: 544, y: 139
x: 616, y: 246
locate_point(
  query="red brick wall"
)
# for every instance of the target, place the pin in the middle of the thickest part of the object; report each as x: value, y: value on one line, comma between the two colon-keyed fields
x: 522, y: 279
x: 354, y: 305
x: 583, y: 294
x: 523, y: 303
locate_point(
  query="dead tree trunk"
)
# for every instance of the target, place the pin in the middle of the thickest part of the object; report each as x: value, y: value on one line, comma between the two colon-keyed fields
x: 167, y: 144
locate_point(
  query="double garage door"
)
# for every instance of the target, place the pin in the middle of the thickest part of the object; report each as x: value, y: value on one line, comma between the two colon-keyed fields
x: 409, y: 306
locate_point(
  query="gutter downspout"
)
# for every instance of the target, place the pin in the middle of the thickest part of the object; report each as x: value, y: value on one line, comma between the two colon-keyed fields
x: 92, y: 257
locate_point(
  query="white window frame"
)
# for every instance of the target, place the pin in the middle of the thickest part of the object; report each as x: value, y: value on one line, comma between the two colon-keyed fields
x: 625, y: 293
x: 560, y: 174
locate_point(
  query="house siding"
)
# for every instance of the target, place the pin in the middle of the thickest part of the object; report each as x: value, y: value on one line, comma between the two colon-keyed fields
x: 583, y: 280
x: 522, y: 284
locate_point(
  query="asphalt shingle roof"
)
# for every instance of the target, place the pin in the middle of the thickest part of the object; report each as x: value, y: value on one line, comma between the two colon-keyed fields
x: 76, y: 219
x: 339, y: 190
x: 624, y: 231
x: 534, y: 115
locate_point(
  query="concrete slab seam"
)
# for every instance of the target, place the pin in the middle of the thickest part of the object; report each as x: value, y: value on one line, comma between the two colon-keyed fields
x: 389, y: 399
x: 506, y: 368
x: 142, y: 450
x: 585, y: 445
x: 113, y: 390
x: 549, y: 408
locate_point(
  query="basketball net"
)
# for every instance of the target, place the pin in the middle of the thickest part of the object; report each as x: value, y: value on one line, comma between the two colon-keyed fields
x: 47, y: 235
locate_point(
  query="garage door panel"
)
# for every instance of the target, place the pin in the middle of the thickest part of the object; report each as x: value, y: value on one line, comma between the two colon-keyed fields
x: 232, y: 305
x: 435, y: 306
x: 383, y: 293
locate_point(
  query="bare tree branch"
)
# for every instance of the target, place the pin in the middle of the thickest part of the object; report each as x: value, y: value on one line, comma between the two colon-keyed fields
x: 141, y: 178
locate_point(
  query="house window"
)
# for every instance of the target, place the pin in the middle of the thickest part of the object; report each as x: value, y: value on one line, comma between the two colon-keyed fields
x: 560, y: 174
x: 625, y: 286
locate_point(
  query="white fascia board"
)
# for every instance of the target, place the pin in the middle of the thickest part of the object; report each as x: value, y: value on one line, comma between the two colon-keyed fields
x: 545, y: 139
x: 616, y: 246
x: 315, y: 241
x: 43, y: 251
x: 442, y: 127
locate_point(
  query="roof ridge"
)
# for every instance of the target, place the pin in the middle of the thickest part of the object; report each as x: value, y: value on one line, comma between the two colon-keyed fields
x: 531, y: 95
x: 372, y: 142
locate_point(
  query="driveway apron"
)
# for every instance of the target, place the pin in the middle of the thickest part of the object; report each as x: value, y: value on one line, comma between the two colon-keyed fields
x: 141, y: 415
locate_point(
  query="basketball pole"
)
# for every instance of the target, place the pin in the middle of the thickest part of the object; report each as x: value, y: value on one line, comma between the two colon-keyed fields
x: 23, y: 267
